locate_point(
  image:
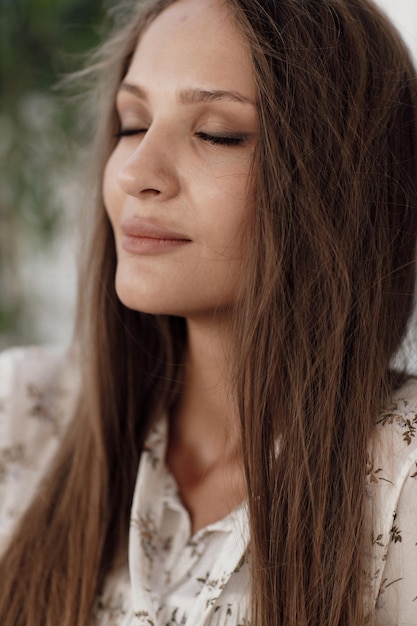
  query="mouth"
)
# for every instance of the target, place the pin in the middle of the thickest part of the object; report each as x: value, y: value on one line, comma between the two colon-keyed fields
x: 144, y: 237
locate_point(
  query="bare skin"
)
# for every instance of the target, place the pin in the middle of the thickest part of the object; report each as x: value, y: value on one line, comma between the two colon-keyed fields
x: 204, y: 447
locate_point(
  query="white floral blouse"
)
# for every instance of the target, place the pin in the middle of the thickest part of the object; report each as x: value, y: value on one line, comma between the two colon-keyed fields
x: 173, y: 578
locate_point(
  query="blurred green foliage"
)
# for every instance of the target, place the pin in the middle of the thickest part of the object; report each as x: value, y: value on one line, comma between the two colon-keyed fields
x: 40, y: 42
x: 36, y: 35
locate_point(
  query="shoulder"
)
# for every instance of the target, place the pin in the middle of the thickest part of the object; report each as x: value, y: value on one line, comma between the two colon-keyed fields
x: 37, y: 387
x: 396, y: 428
x: 393, y: 450
x: 391, y: 491
x: 393, y: 453
x: 38, y: 390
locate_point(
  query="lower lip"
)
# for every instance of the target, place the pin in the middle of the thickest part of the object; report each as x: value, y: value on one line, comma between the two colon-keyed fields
x: 150, y: 245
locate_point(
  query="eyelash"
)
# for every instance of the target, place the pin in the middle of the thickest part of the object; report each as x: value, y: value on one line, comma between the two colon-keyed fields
x: 215, y: 140
x: 222, y: 140
x: 129, y: 132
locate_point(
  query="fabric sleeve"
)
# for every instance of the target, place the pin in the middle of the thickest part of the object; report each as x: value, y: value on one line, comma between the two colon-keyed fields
x: 397, y: 600
x: 38, y: 389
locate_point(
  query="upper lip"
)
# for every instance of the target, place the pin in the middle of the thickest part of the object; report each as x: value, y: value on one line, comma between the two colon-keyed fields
x: 139, y: 227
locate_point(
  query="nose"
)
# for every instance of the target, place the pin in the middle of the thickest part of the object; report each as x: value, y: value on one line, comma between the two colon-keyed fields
x: 150, y: 168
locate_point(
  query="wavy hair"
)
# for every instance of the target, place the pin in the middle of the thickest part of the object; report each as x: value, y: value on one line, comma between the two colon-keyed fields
x: 325, y: 299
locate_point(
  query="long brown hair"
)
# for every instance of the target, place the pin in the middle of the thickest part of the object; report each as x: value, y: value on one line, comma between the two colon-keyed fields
x: 325, y: 300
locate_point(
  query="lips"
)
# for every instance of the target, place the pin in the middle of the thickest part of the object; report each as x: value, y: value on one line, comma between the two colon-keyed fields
x: 140, y: 228
x: 143, y: 237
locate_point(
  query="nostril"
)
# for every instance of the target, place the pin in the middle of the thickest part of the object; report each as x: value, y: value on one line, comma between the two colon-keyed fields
x: 150, y: 192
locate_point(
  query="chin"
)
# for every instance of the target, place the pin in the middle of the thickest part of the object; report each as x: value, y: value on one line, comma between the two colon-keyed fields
x: 147, y: 294
x: 147, y: 301
x: 139, y: 302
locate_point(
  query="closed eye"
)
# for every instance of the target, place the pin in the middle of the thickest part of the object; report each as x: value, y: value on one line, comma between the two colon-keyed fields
x: 224, y: 140
x: 128, y: 132
x: 216, y: 140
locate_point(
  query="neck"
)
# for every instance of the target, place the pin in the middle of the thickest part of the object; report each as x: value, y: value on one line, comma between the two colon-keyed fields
x: 205, y: 417
x: 204, y: 443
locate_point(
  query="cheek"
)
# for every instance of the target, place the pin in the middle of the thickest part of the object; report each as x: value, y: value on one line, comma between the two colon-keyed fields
x: 110, y: 189
x: 232, y: 209
x: 226, y: 202
x: 226, y: 233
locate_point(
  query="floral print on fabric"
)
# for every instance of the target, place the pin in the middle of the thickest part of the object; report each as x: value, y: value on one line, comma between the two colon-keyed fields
x: 36, y: 399
x: 391, y: 491
x: 178, y: 578
x: 171, y: 577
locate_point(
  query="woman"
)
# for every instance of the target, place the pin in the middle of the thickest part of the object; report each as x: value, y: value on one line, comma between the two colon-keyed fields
x: 249, y: 278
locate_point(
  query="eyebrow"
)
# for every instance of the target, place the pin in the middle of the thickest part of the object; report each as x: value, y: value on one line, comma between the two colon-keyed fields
x: 193, y: 96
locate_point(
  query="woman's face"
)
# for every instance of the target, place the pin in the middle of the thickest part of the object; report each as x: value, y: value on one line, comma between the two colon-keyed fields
x: 176, y: 186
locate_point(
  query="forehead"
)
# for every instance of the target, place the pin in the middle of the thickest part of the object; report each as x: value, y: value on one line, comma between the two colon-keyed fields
x: 194, y: 43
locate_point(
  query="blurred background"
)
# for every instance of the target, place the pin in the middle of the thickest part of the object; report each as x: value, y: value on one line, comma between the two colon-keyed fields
x: 41, y: 145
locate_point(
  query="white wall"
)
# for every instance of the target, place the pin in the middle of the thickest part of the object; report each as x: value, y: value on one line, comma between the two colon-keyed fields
x: 404, y: 15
